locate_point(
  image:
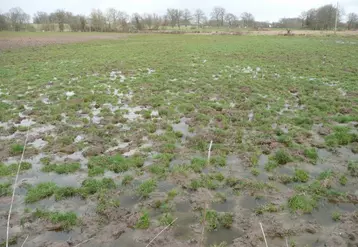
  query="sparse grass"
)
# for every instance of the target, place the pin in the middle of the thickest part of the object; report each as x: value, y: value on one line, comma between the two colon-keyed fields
x: 353, y: 168
x: 143, y: 221
x: 172, y: 193
x: 239, y: 76
x: 269, y: 207
x: 5, y: 189
x: 66, y: 219
x: 146, y: 187
x: 166, y: 219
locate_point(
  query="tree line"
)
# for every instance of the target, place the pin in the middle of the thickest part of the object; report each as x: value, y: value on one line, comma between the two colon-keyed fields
x: 113, y: 20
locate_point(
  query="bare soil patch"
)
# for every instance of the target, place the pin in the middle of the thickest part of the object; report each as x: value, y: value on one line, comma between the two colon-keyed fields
x: 53, y: 38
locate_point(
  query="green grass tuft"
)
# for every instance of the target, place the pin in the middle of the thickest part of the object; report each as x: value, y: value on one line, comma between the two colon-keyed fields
x: 282, y: 157
x: 143, y: 221
x: 40, y: 191
x: 302, y: 203
x: 147, y: 187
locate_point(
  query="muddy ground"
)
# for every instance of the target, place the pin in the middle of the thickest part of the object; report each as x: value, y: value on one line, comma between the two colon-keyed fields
x: 25, y: 40
x: 129, y: 114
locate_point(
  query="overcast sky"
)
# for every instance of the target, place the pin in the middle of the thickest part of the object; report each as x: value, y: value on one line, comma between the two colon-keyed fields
x: 263, y: 10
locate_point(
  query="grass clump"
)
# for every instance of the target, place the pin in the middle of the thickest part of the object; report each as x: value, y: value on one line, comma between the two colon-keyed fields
x: 116, y: 163
x: 218, y: 161
x: 302, y: 203
x: 105, y: 201
x: 166, y: 219
x: 127, y: 179
x: 255, y: 171
x: 353, y: 168
x: 66, y: 220
x: 341, y: 136
x: 143, y: 221
x: 311, y: 153
x: 40, y: 191
x: 16, y: 149
x: 65, y: 192
x: 343, y: 180
x: 336, y: 216
x: 5, y: 189
x: 62, y: 168
x: 172, y: 193
x: 282, y: 157
x: 269, y: 207
x: 197, y: 164
x: 215, y: 220
x: 10, y: 170
x: 95, y: 171
x: 91, y: 186
x: 147, y: 187
x: 301, y: 176
x: 271, y: 165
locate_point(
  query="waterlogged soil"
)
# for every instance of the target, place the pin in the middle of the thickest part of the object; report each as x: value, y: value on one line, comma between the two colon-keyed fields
x: 264, y: 132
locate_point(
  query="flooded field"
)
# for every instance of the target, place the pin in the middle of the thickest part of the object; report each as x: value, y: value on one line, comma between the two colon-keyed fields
x: 209, y: 136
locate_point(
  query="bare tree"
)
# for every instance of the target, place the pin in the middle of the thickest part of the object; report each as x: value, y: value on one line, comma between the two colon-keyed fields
x: 112, y: 17
x: 41, y: 18
x: 97, y: 20
x: 187, y: 17
x: 174, y: 16
x: 352, y: 21
x: 199, y: 17
x: 248, y: 19
x: 4, y: 22
x: 137, y: 21
x: 18, y: 18
x: 230, y: 19
x: 218, y: 15
x: 60, y: 16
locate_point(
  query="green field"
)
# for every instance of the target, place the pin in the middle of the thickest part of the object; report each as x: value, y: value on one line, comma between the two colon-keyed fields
x: 119, y: 134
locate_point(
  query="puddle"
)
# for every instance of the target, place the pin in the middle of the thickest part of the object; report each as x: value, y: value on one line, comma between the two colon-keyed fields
x: 226, y: 206
x: 250, y: 202
x: 39, y: 143
x: 165, y: 186
x: 251, y: 116
x: 132, y: 112
x: 25, y: 123
x: 69, y: 94
x: 182, y: 229
x: 119, y: 146
x: 183, y: 206
x: 263, y: 160
x: 222, y: 235
x: 128, y: 201
x: 78, y: 139
x: 183, y: 128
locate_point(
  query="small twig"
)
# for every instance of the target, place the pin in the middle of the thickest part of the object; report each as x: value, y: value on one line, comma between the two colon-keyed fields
x: 83, y: 242
x: 23, y: 244
x: 209, y: 152
x: 13, y: 191
x: 263, y: 233
x: 286, y: 242
x: 151, y: 241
